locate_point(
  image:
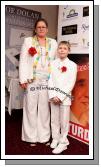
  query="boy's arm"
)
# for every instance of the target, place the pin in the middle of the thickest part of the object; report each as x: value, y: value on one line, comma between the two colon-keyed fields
x: 66, y: 89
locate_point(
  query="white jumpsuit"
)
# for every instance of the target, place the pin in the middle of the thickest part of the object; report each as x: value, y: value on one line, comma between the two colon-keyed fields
x: 63, y: 83
x: 36, y: 113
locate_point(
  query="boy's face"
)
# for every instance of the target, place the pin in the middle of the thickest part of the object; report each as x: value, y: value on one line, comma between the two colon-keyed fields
x: 63, y: 51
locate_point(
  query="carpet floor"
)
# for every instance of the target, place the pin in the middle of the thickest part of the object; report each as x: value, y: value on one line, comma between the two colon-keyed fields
x: 14, y: 145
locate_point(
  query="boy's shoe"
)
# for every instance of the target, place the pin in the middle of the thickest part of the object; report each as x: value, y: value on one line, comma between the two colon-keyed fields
x: 60, y: 148
x: 54, y: 143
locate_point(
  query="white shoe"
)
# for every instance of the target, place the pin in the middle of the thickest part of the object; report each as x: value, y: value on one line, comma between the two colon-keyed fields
x: 54, y: 143
x: 60, y: 148
x: 67, y: 143
x: 33, y: 144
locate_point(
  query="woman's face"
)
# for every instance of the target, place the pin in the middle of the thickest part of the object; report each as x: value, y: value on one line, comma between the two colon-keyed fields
x: 41, y: 29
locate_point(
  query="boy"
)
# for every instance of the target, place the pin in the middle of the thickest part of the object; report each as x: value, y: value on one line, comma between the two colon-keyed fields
x: 61, y: 82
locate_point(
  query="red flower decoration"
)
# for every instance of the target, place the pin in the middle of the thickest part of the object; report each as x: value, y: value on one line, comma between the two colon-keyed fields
x: 63, y: 69
x: 32, y: 51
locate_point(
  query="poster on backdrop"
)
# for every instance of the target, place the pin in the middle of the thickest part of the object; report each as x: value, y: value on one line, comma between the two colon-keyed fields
x: 79, y: 121
x: 73, y: 26
x: 19, y: 23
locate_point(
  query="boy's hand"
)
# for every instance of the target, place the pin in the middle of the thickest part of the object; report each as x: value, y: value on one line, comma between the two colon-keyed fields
x: 56, y: 100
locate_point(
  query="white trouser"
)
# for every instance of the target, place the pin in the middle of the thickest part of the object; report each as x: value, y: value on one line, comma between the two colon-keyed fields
x: 36, y: 115
x: 60, y: 122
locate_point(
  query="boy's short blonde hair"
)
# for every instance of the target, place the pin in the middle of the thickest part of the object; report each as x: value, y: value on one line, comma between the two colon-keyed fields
x: 65, y: 43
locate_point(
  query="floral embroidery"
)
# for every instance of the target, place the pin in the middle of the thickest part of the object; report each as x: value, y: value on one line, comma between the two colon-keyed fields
x: 32, y: 51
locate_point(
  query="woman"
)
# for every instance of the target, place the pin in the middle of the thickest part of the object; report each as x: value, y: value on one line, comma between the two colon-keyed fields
x: 34, y: 69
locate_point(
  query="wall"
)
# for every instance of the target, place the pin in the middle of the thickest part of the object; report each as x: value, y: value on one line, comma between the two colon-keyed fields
x: 50, y: 13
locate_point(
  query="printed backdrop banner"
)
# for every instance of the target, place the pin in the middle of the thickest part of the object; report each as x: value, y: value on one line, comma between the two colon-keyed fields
x: 73, y: 26
x: 19, y: 23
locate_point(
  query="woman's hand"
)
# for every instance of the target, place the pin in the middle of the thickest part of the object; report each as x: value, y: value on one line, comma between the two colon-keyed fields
x: 24, y: 85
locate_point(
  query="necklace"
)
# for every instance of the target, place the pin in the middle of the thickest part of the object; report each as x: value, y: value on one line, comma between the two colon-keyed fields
x: 43, y: 58
x: 35, y: 42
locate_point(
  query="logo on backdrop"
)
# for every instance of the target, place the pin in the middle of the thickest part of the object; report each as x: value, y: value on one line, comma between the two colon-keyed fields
x: 73, y: 44
x: 20, y: 16
x: 69, y: 13
x: 85, y: 43
x: 67, y: 30
x: 85, y: 27
x: 17, y: 11
x: 86, y: 11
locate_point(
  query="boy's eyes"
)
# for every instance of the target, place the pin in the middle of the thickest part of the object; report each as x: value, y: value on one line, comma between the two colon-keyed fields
x: 62, y: 48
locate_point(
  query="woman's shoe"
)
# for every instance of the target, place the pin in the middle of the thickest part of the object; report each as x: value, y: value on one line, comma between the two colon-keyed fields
x: 33, y: 144
x: 47, y: 144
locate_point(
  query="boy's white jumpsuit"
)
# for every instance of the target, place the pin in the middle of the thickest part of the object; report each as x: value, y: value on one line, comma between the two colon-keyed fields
x: 63, y: 83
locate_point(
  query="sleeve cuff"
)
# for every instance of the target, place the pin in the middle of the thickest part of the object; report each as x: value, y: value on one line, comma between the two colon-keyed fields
x: 61, y: 96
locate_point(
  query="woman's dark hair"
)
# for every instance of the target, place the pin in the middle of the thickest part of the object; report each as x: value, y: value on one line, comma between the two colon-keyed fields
x: 40, y: 19
x: 35, y: 25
